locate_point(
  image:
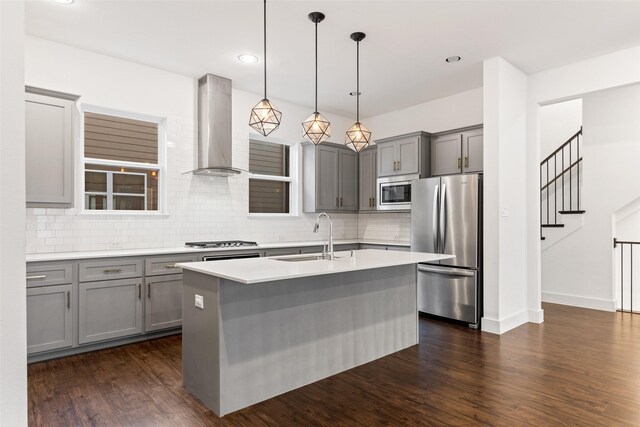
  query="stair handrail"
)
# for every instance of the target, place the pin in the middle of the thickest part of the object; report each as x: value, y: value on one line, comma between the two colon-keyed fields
x: 574, y: 136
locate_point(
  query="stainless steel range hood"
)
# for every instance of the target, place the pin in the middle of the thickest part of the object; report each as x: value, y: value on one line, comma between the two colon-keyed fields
x: 214, y: 127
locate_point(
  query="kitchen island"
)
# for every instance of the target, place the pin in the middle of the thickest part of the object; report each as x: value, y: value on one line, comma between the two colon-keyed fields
x: 256, y: 328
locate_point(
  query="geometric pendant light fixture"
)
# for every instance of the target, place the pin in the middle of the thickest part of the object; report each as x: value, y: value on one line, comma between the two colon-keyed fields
x: 265, y: 118
x: 358, y: 136
x: 316, y: 128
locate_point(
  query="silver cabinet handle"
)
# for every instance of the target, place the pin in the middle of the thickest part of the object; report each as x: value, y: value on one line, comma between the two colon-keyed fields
x: 139, y: 291
x: 459, y: 162
x: 398, y: 165
x: 149, y: 290
x: 44, y: 276
x: 68, y: 299
x: 466, y: 162
x: 112, y: 270
x: 171, y: 266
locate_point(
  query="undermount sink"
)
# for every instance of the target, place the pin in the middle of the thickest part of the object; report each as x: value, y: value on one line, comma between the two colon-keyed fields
x: 298, y: 258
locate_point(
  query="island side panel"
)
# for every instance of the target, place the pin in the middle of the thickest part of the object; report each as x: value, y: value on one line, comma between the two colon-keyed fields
x: 201, y: 338
x: 278, y: 336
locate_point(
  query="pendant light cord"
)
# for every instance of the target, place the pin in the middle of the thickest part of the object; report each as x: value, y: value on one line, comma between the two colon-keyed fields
x: 264, y: 47
x: 316, y: 110
x: 358, y: 82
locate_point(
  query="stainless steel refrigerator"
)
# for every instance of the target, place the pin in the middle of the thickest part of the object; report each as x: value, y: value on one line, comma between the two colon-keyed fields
x: 446, y: 217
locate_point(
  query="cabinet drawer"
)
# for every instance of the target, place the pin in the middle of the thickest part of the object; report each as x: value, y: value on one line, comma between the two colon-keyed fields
x: 157, y: 266
x: 110, y: 269
x: 49, y: 274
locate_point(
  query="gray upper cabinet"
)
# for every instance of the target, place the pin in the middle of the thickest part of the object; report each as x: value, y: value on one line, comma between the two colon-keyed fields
x: 49, y: 148
x: 49, y: 318
x: 330, y: 178
x: 457, y: 151
x: 404, y: 155
x: 348, y: 177
x: 368, y: 176
x: 472, y: 147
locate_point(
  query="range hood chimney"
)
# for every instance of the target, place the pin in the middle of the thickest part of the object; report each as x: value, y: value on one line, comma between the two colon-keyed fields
x: 214, y: 127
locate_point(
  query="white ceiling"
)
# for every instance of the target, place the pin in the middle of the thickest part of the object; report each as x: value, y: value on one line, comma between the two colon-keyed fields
x: 402, y: 58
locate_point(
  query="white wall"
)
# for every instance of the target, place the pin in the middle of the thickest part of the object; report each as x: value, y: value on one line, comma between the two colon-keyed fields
x: 13, y: 342
x: 505, y: 250
x: 199, y: 208
x: 558, y: 123
x: 455, y: 111
x: 579, y: 269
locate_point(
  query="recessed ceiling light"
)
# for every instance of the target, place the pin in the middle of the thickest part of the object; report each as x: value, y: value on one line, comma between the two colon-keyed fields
x: 453, y: 59
x: 247, y: 58
x: 64, y: 1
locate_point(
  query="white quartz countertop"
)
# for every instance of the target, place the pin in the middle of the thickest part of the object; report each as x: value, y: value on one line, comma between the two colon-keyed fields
x: 258, y: 270
x: 115, y: 253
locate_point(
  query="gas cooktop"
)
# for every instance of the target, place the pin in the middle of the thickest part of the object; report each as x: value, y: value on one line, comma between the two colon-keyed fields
x: 220, y: 244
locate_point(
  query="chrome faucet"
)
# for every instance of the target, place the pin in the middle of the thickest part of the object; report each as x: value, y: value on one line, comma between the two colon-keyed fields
x: 315, y: 230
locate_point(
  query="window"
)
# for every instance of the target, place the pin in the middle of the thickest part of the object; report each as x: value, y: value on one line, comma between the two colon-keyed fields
x: 271, y: 185
x: 122, y: 163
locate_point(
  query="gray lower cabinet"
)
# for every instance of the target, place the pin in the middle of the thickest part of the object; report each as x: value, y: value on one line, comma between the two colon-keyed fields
x: 163, y: 305
x: 49, y: 318
x: 330, y: 178
x: 109, y: 309
x: 280, y: 252
x: 49, y: 137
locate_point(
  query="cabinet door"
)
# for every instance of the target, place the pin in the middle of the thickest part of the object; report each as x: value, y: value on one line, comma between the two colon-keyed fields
x: 408, y: 156
x: 386, y: 159
x: 326, y: 178
x: 48, y: 318
x: 472, y: 150
x: 367, y: 173
x: 109, y: 309
x: 348, y: 164
x: 163, y: 308
x: 49, y: 148
x: 446, y: 154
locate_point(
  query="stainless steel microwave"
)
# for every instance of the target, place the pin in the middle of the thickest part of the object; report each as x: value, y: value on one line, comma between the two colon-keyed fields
x: 394, y: 193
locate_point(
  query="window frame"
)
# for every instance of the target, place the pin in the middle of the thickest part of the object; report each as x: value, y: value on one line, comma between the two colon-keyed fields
x: 293, y: 179
x: 82, y: 161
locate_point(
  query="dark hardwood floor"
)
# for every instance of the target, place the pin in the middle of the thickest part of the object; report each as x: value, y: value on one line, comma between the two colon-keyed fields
x: 580, y: 367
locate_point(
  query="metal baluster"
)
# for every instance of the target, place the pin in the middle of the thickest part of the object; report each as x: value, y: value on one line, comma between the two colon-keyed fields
x: 578, y: 163
x: 622, y: 278
x: 547, y: 192
x: 570, y: 180
x: 563, y: 178
x: 555, y: 188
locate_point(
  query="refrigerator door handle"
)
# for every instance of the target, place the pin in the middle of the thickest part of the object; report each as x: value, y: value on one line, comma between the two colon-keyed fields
x: 453, y: 272
x: 443, y: 218
x: 435, y: 219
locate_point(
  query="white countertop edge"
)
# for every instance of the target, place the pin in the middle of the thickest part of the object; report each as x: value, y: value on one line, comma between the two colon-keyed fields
x: 117, y: 253
x: 281, y: 270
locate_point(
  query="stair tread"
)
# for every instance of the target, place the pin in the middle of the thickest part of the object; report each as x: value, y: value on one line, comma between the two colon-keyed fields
x: 571, y: 212
x: 552, y: 225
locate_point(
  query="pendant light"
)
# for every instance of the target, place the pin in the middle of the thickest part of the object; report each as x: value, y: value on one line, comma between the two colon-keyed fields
x: 265, y: 118
x: 357, y: 136
x: 316, y: 128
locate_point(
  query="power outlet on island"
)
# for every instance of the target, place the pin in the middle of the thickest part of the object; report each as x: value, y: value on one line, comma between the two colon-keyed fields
x: 200, y: 302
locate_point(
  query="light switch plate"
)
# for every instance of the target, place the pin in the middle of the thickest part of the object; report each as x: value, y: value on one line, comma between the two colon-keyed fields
x: 200, y: 301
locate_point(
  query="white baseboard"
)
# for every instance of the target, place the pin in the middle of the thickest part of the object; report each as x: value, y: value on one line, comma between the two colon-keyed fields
x: 499, y: 327
x: 536, y: 316
x: 578, y: 301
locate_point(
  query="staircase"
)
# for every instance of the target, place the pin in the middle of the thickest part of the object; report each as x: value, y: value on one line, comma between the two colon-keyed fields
x: 560, y: 184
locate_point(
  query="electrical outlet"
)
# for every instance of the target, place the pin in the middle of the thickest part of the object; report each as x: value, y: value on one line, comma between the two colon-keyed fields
x: 200, y: 301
